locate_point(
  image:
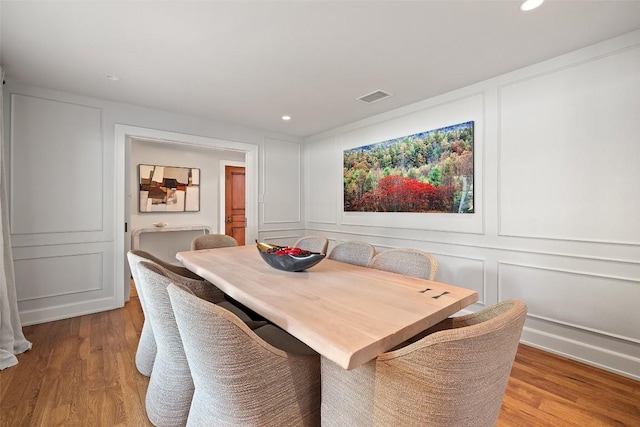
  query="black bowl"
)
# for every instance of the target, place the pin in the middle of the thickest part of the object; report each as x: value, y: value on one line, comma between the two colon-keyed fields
x: 291, y: 262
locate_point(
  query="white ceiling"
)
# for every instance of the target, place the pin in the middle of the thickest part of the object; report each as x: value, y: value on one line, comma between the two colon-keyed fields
x: 250, y: 62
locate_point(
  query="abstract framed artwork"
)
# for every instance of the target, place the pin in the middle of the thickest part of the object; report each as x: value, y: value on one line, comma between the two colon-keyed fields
x: 168, y: 189
x: 428, y: 172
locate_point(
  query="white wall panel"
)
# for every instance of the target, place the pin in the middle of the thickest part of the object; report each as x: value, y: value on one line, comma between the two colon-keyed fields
x: 583, y: 300
x: 282, y: 182
x: 462, y: 271
x: 63, y: 280
x: 56, y: 166
x: 569, y: 152
x: 58, y: 275
x: 322, y: 178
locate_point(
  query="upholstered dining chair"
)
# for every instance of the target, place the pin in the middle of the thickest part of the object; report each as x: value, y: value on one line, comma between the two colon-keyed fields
x: 317, y: 244
x: 353, y: 252
x: 244, y: 377
x: 212, y: 241
x: 454, y: 377
x: 410, y: 262
x: 170, y: 388
x: 146, y: 351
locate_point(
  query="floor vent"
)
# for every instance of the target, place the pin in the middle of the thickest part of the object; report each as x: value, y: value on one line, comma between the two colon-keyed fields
x: 372, y: 97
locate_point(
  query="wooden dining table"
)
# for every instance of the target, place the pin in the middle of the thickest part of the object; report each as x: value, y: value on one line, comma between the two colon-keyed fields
x: 347, y: 313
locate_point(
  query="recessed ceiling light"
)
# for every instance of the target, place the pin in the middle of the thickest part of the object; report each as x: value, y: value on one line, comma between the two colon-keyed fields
x: 530, y: 5
x: 112, y: 77
x: 286, y: 118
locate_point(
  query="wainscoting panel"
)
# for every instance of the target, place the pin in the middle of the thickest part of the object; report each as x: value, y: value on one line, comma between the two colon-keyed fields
x: 323, y: 179
x: 281, y: 193
x: 57, y: 167
x: 56, y: 276
x: 63, y: 280
x: 465, y: 272
x: 576, y: 299
x: 61, y: 206
x: 568, y: 166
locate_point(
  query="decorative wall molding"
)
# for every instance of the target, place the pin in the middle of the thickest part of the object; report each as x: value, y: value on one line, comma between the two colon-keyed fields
x: 282, y: 191
x: 598, y: 356
x: 573, y: 293
x: 476, y: 245
x: 561, y: 98
x: 55, y: 129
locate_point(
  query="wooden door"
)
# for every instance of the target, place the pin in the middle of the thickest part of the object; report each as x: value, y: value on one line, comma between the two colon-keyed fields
x: 235, y: 220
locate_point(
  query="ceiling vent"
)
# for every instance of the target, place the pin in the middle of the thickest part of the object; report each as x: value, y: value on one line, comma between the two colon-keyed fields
x: 372, y: 97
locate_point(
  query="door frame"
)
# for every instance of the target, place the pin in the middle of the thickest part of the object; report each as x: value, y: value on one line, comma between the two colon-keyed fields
x: 223, y: 191
x: 123, y: 136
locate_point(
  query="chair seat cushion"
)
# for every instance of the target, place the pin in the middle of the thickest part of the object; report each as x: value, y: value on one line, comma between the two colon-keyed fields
x: 282, y: 340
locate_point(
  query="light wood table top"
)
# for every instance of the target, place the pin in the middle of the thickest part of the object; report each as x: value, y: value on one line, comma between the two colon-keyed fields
x: 347, y: 313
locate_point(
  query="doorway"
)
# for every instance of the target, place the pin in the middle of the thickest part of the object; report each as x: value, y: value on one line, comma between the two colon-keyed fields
x: 123, y: 136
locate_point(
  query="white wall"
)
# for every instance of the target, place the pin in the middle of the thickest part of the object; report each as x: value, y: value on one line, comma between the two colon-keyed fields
x: 557, y: 155
x: 63, y: 174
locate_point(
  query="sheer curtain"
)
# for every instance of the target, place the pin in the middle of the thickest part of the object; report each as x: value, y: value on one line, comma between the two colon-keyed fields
x: 12, y: 341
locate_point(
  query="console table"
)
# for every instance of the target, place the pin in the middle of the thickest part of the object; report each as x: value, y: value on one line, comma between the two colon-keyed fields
x: 135, y: 233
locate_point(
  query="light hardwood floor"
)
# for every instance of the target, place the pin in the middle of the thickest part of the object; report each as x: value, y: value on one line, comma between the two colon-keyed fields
x: 81, y: 372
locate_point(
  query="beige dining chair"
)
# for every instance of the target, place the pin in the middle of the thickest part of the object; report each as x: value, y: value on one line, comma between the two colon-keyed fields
x: 170, y: 388
x: 317, y: 244
x: 212, y: 241
x: 353, y: 252
x: 410, y: 262
x: 244, y: 377
x: 454, y: 377
x: 146, y: 351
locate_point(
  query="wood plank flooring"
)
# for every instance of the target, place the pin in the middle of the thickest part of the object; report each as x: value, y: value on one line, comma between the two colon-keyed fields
x: 81, y: 372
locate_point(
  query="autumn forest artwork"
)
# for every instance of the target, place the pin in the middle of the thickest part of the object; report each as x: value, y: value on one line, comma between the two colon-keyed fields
x: 430, y: 172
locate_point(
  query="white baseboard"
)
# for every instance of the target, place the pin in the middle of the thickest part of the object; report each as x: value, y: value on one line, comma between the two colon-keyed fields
x: 616, y: 362
x: 50, y: 314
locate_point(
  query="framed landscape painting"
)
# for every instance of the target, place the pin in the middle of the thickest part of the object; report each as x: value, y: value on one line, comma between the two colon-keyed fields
x: 169, y: 189
x: 429, y: 172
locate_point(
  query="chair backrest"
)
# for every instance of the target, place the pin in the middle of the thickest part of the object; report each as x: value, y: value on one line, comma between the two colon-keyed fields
x: 463, y: 371
x: 154, y: 282
x: 212, y: 241
x: 410, y: 262
x: 176, y: 274
x: 454, y: 377
x: 317, y: 244
x: 146, y: 350
x: 358, y: 253
x: 239, y: 378
x: 170, y: 389
x: 140, y: 255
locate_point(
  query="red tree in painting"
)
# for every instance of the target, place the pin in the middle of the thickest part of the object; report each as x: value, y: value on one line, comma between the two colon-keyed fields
x: 400, y: 194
